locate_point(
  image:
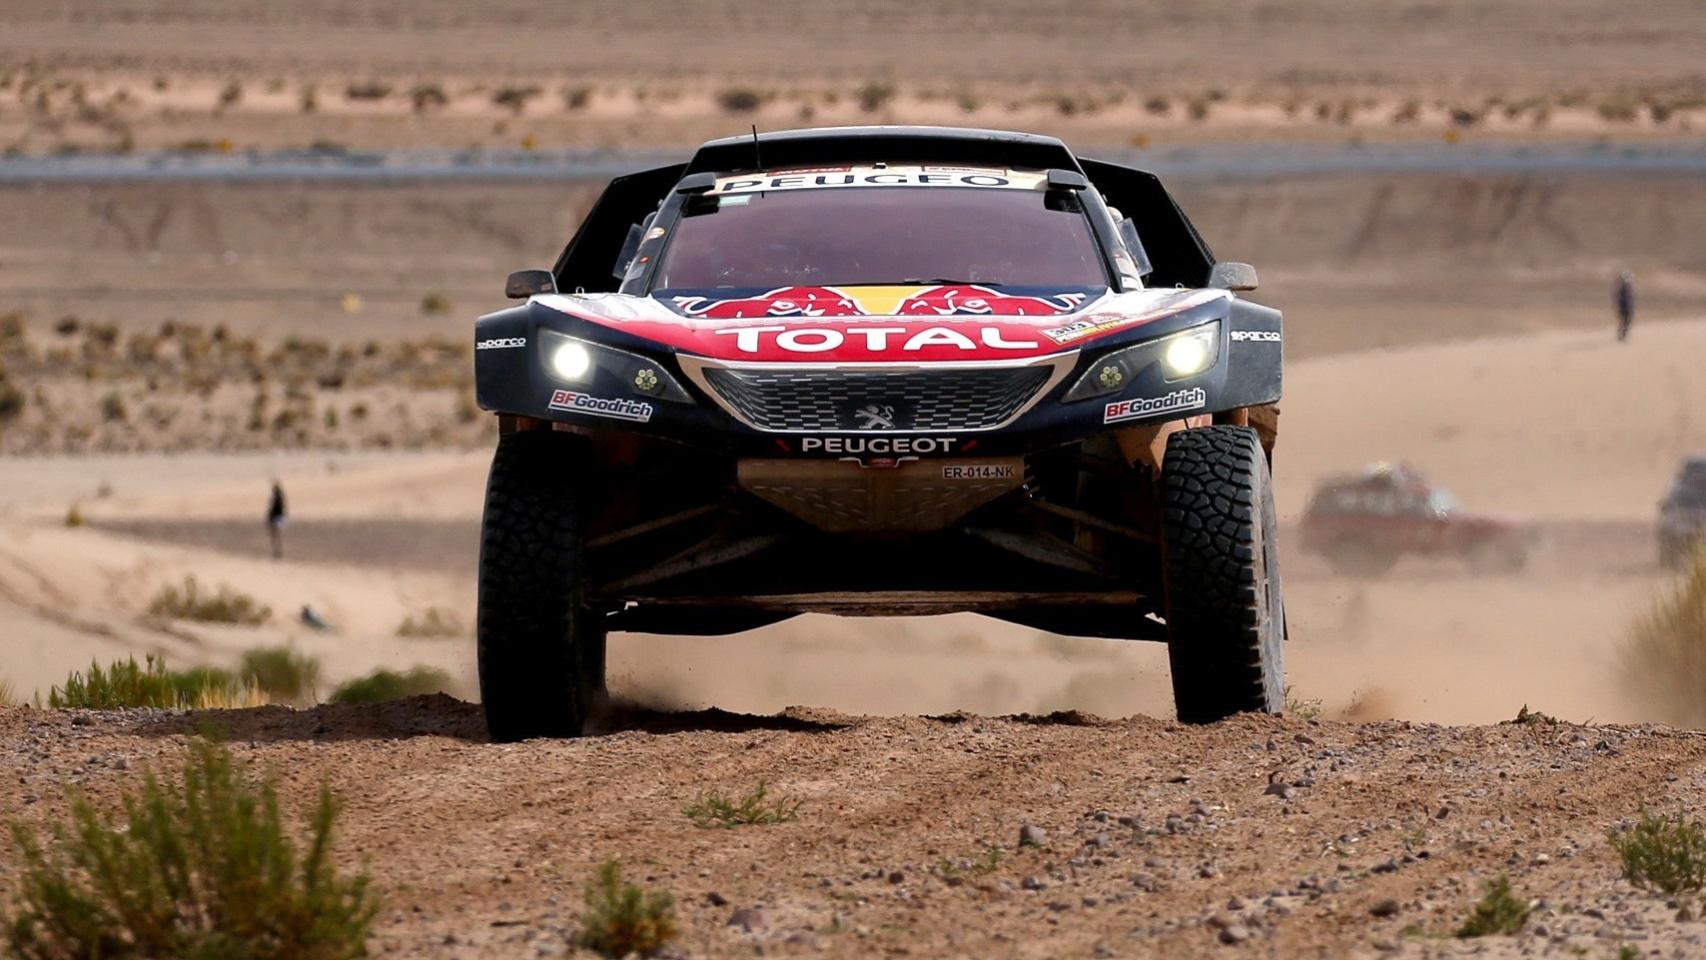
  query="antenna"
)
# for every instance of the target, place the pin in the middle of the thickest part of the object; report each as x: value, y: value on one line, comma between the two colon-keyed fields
x: 757, y: 164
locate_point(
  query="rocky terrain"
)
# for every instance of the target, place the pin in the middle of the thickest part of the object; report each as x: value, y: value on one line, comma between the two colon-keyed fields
x: 958, y: 835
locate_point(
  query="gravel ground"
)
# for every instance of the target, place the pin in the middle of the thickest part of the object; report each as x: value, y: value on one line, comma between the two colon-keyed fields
x: 1140, y: 837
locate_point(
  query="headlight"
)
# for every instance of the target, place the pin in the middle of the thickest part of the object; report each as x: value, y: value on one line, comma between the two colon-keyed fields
x: 571, y: 361
x: 574, y: 360
x: 1181, y: 356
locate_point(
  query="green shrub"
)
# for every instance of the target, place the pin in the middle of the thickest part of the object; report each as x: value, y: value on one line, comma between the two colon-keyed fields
x: 190, y: 603
x: 1497, y: 912
x: 74, y: 516
x: 204, y: 869
x: 1663, y: 854
x: 435, y: 303
x: 126, y: 684
x: 281, y: 673
x: 623, y: 919
x: 381, y: 685
x: 713, y: 809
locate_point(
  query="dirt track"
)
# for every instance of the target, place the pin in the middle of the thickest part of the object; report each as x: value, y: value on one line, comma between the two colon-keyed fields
x: 1159, y: 837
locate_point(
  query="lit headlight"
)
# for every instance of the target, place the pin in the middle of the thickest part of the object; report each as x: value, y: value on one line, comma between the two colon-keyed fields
x: 571, y: 360
x: 584, y: 362
x: 1181, y: 356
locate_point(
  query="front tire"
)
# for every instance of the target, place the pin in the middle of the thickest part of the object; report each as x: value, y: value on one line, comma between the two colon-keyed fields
x: 1221, y: 585
x: 541, y: 652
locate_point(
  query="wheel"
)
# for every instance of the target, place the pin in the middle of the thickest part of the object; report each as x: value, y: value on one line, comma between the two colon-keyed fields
x: 1220, y: 571
x: 541, y: 653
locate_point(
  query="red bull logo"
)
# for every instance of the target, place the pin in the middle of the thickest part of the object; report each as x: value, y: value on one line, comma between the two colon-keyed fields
x: 969, y: 300
x: 951, y: 300
x: 781, y: 302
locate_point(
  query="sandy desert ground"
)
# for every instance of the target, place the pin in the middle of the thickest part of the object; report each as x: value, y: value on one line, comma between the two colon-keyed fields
x: 233, y: 75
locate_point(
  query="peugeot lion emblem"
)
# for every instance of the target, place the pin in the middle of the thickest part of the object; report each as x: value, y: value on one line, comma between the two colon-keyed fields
x: 873, y: 417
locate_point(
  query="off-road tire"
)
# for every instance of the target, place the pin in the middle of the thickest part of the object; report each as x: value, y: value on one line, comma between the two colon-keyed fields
x: 1221, y: 585
x: 541, y: 654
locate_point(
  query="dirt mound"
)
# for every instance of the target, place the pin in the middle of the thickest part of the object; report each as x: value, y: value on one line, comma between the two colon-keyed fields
x: 1304, y: 838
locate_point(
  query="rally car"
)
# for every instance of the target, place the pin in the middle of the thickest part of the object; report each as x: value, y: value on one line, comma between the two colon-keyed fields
x: 1364, y: 523
x: 1682, y: 514
x: 879, y: 371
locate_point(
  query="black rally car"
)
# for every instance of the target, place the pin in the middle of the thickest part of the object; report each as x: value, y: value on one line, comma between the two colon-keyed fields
x: 879, y: 371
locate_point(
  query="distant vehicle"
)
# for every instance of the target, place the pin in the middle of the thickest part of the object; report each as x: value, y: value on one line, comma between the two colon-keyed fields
x: 1364, y: 523
x: 1682, y: 513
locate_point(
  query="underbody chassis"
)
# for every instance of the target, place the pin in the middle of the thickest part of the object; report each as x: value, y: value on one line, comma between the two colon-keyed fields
x: 1066, y: 540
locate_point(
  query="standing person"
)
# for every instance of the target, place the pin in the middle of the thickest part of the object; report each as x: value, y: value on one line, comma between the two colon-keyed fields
x: 1625, y: 299
x: 277, y: 517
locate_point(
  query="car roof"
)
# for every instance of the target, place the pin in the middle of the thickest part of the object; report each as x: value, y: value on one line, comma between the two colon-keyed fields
x: 894, y: 144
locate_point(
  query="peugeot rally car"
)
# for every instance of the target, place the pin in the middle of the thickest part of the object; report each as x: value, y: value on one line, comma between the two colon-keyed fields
x: 879, y: 371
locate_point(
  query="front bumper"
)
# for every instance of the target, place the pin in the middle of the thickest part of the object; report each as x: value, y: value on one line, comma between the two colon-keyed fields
x: 869, y: 411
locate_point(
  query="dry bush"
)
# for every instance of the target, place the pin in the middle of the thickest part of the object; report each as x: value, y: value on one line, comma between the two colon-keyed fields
x: 514, y: 99
x: 12, y: 400
x: 1619, y: 108
x: 433, y: 622
x: 113, y: 409
x: 190, y: 602
x: 201, y: 868
x: 1665, y: 661
x: 874, y: 96
x: 739, y: 99
x: 367, y: 90
x: 428, y: 96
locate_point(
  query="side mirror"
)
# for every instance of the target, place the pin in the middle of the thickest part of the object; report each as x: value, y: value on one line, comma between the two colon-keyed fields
x: 525, y: 283
x: 1232, y: 276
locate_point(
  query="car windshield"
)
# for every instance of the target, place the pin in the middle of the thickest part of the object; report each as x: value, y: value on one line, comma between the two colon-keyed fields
x: 1441, y: 502
x: 882, y: 235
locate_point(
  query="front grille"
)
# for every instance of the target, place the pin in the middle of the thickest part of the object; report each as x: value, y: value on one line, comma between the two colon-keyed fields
x: 855, y: 401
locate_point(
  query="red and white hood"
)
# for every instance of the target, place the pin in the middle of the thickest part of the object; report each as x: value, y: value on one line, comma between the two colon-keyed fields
x: 864, y: 324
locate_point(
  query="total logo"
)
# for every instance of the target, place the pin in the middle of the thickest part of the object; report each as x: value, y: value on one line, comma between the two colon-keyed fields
x: 880, y: 446
x: 616, y: 408
x: 876, y: 339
